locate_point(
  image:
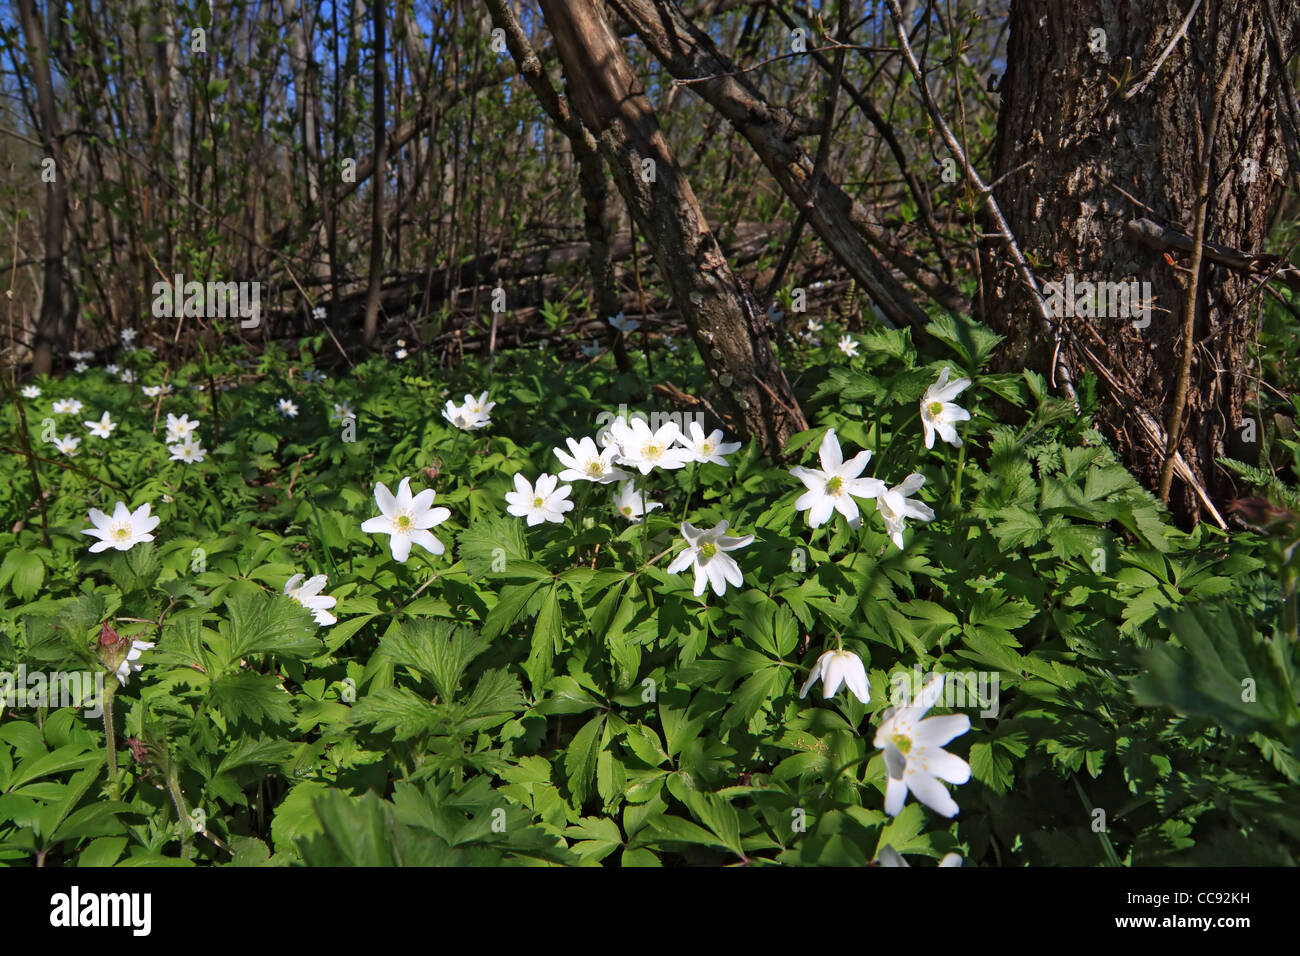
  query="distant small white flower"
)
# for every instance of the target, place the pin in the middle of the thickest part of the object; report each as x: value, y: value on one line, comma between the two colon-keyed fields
x: 848, y: 346
x: 632, y: 504
x: 939, y: 414
x: 31, y: 391
x: 626, y: 326
x: 914, y: 756
x: 102, y: 428
x: 67, y: 406
x: 129, y: 664
x: 127, y: 376
x: 670, y: 343
x: 400, y: 354
x: 318, y: 313
x: 343, y: 410
x: 894, y: 506
x: 67, y: 444
x: 586, y: 463
x: 179, y: 429
x: 308, y: 595
x: 836, y: 485
x: 288, y: 409
x: 839, y: 667
x: 706, y: 550
x: 80, y: 356
x: 128, y: 336
x: 124, y: 530
x: 112, y: 369
x: 401, y: 343
x: 543, y: 502
x: 80, y: 367
x: 152, y: 391
x: 151, y: 349
x: 188, y: 451
x: 814, y: 326
x: 645, y: 450
x: 710, y: 449
x: 591, y: 349
x: 167, y: 499
x: 406, y: 519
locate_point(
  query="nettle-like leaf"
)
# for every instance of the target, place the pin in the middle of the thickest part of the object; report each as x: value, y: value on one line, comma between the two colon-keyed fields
x: 270, y: 624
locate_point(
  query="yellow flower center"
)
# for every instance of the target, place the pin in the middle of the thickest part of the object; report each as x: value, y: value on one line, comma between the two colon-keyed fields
x: 653, y: 451
x: 403, y: 522
x: 121, y: 532
x: 708, y: 447
x: 902, y: 742
x: 593, y: 467
x: 935, y: 409
x: 537, y: 502
x: 834, y: 485
x: 627, y: 511
x: 708, y: 550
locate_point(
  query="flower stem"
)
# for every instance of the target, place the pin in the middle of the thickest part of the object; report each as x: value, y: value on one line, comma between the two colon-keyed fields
x: 691, y: 494
x: 110, y: 742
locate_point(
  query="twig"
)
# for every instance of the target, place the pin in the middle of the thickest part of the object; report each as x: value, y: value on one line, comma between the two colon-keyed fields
x: 1182, y: 31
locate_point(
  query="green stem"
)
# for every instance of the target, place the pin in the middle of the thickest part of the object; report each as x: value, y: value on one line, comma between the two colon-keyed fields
x: 178, y: 800
x: 956, y: 484
x: 691, y: 494
x: 110, y: 742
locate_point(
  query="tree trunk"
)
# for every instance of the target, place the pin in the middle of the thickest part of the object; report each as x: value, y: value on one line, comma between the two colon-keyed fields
x: 380, y: 183
x: 728, y: 326
x: 49, y: 325
x: 1108, y: 150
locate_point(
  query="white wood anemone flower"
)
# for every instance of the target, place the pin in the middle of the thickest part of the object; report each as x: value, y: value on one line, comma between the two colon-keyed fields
x: 188, y: 451
x: 288, y: 409
x: 839, y: 667
x: 939, y: 414
x: 895, y: 507
x: 129, y: 663
x: 834, y: 487
x: 178, y: 429
x: 67, y: 406
x: 707, y: 449
x: 308, y: 595
x: 706, y: 550
x: 31, y: 391
x: 543, y: 502
x: 646, y: 450
x: 915, y: 760
x: 67, y: 444
x: 632, y: 504
x: 848, y: 346
x: 625, y: 325
x: 888, y: 856
x: 474, y: 414
x: 124, y: 530
x: 585, y: 462
x: 406, y: 519
x: 102, y: 428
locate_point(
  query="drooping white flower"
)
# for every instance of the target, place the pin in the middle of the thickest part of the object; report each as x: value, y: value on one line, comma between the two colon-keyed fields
x: 894, y: 506
x: 124, y: 530
x: 343, y: 410
x: 102, y: 428
x: 128, y: 336
x: 475, y: 413
x: 543, y: 502
x: 939, y: 414
x: 288, y: 409
x: 188, y: 451
x: 834, y: 487
x: 914, y: 756
x: 848, y: 346
x: 706, y: 550
x: 624, y: 325
x: 631, y: 503
x: 406, y: 519
x: 710, y: 449
x: 31, y: 391
x: 67, y: 406
x: 645, y: 450
x: 839, y: 667
x: 67, y: 444
x: 112, y: 369
x: 308, y: 595
x: 585, y: 462
x: 129, y: 664
x: 80, y: 367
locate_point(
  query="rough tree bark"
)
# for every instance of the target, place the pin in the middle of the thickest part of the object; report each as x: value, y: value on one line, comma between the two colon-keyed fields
x: 725, y: 320
x: 1106, y: 149
x: 50, y: 324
